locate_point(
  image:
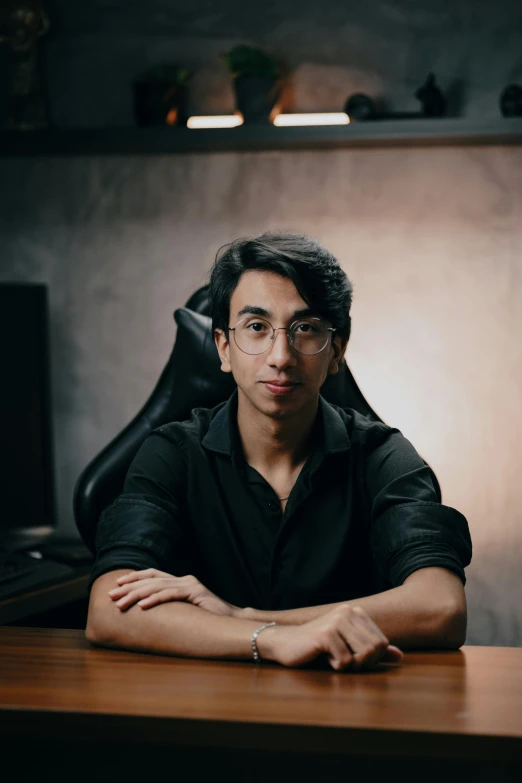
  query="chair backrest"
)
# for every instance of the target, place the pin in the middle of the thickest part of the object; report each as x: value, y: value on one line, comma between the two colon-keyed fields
x: 191, y: 379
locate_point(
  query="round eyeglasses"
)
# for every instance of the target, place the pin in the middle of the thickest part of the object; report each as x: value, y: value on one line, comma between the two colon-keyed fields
x: 254, y: 335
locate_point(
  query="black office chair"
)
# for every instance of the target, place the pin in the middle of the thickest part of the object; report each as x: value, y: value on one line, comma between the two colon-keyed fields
x: 191, y: 379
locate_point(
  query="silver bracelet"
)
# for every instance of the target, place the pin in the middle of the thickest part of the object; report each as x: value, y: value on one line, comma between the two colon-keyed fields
x: 255, y: 651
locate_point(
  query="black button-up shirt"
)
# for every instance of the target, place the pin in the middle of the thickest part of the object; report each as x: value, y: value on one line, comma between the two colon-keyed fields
x: 362, y: 516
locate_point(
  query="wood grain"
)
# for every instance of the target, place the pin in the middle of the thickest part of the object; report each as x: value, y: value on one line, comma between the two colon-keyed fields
x: 465, y: 704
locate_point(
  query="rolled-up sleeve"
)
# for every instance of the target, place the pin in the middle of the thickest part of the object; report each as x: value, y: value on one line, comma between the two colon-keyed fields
x: 411, y: 529
x: 143, y: 527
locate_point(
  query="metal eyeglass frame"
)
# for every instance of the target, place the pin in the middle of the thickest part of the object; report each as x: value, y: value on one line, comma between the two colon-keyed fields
x: 289, y: 335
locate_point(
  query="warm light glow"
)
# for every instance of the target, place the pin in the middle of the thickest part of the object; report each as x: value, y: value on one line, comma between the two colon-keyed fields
x: 330, y: 118
x: 216, y: 121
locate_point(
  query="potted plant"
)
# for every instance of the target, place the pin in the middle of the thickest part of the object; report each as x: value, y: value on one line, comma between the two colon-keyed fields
x: 256, y: 82
x: 160, y: 95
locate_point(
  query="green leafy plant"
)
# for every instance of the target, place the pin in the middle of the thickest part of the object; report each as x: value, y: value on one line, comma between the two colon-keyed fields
x: 164, y: 74
x: 248, y: 61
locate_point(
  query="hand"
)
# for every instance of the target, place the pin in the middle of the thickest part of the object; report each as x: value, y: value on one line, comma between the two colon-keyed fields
x: 152, y: 587
x: 347, y: 635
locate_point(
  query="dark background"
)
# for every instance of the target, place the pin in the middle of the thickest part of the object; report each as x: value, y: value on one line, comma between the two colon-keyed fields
x: 331, y: 49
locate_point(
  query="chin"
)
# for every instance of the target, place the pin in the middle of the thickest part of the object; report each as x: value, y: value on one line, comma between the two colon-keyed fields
x: 279, y: 407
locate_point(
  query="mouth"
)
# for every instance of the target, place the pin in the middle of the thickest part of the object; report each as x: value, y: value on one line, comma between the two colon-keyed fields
x: 280, y: 388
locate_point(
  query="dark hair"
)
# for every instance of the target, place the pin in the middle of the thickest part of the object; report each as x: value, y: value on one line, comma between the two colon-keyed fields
x: 316, y: 274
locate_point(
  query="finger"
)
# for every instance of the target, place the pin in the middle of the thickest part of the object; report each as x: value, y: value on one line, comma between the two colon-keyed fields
x: 134, y: 594
x: 176, y: 593
x: 370, y: 624
x: 156, y: 577
x: 147, y: 573
x: 163, y: 597
x: 118, y: 592
x: 339, y: 654
x: 128, y: 600
x: 368, y: 647
x: 366, y: 653
x: 191, y: 586
x: 393, y: 654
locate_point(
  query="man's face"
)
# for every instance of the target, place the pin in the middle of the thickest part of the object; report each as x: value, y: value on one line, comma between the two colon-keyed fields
x: 279, y: 382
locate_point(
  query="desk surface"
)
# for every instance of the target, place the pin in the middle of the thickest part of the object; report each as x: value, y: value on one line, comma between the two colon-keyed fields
x: 465, y: 704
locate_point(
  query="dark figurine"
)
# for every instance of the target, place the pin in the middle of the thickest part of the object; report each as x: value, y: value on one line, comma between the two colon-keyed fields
x: 432, y: 100
x: 360, y: 107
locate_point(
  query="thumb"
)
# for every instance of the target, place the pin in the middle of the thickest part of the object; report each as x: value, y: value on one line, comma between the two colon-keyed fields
x: 392, y: 655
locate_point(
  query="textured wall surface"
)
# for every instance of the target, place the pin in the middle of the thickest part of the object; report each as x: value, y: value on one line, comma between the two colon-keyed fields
x: 430, y: 237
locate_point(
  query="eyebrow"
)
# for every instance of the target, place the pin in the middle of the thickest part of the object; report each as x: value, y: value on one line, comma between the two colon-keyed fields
x: 305, y: 312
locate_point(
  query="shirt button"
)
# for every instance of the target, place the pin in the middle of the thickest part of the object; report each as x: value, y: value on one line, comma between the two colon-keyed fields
x: 272, y: 506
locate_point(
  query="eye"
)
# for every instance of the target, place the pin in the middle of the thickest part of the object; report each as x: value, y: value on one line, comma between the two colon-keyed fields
x: 257, y: 327
x: 306, y: 327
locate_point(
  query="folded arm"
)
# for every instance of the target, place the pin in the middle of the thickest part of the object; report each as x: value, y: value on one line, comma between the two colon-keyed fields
x: 346, y: 636
x: 427, y: 610
x: 175, y: 628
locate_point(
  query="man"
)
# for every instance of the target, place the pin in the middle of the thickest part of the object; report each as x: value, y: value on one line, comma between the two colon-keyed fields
x: 277, y: 526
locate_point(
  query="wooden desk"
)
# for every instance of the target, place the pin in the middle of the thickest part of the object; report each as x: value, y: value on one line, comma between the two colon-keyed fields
x: 440, y: 713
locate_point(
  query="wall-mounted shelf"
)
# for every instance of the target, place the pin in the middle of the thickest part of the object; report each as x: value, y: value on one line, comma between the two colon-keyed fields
x: 162, y: 141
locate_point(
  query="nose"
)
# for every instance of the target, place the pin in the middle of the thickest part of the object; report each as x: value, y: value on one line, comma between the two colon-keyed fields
x: 281, y: 354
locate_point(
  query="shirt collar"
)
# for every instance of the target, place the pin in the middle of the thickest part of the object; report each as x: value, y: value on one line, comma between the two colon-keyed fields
x: 223, y: 437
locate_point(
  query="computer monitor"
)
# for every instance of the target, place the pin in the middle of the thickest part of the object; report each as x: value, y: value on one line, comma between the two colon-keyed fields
x: 27, y: 502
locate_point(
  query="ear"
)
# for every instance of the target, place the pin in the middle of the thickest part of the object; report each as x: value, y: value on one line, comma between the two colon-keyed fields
x: 337, y: 351
x: 223, y: 349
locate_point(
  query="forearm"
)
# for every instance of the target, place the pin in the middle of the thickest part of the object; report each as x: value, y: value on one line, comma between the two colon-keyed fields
x: 403, y: 618
x: 175, y: 628
x: 428, y: 610
x: 286, y: 616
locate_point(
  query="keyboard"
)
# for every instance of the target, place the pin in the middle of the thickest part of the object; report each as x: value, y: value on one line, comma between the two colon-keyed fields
x: 21, y: 572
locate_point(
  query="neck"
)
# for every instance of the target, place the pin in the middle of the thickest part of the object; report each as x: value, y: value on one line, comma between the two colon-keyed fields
x: 272, y: 441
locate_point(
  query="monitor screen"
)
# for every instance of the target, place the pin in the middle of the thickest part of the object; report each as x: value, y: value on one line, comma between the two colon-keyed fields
x: 27, y: 510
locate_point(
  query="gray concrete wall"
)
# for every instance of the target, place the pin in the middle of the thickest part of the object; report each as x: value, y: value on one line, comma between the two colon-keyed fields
x: 430, y: 237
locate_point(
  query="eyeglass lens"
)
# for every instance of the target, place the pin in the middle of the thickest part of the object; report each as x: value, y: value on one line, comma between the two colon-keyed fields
x: 254, y: 335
